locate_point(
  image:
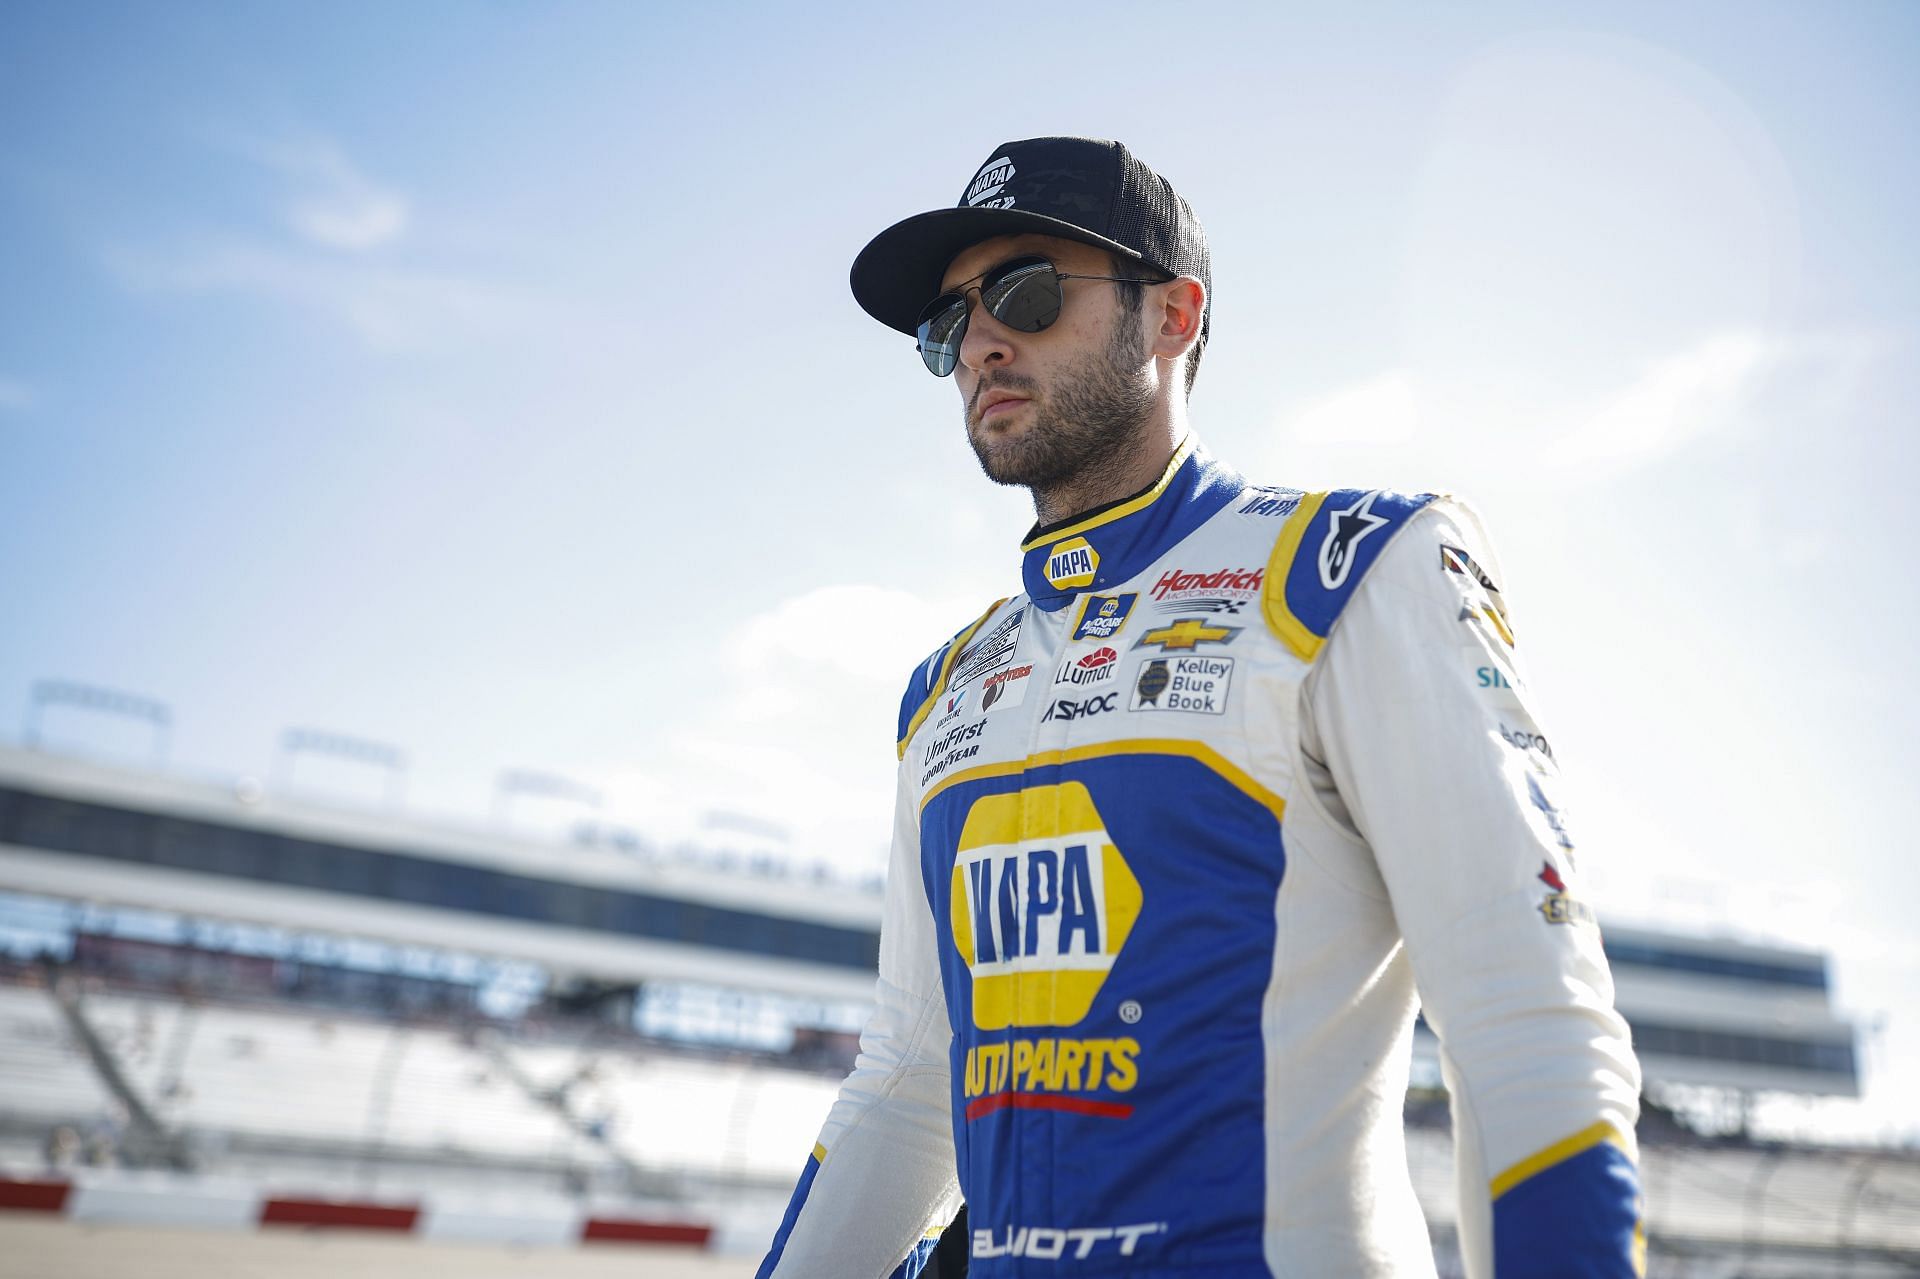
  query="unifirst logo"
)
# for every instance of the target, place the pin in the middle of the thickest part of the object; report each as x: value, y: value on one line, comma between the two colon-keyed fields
x: 1072, y: 563
x: 1042, y: 903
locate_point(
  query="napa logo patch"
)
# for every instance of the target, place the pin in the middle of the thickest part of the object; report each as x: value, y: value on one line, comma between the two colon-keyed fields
x: 1102, y: 616
x: 1042, y: 902
x: 1072, y: 563
x: 989, y: 186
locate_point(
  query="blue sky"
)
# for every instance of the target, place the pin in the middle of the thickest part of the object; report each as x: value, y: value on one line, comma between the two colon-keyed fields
x: 481, y: 378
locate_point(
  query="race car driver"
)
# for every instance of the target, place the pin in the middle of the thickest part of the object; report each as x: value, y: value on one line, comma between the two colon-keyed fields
x: 1184, y: 823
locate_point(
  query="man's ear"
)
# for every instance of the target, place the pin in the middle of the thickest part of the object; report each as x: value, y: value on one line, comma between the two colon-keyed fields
x: 1183, y: 306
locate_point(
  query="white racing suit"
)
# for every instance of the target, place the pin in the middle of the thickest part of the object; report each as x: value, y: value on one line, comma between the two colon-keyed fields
x: 1185, y: 833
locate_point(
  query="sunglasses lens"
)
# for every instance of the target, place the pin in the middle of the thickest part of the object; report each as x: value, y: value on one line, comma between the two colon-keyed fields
x: 1026, y: 297
x: 943, y: 324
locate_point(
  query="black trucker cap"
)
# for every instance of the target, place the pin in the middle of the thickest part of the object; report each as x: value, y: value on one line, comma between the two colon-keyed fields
x: 1084, y: 189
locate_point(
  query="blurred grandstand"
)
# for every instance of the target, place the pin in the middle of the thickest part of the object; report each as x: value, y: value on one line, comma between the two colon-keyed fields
x: 208, y: 985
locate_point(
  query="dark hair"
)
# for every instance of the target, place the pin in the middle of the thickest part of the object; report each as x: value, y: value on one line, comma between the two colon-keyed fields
x: 1133, y: 296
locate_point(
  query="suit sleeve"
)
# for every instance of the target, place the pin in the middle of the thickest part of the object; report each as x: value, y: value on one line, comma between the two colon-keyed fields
x: 882, y: 1174
x: 1428, y: 729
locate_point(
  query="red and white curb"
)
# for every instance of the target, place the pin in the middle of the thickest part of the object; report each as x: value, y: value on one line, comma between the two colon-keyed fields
x: 172, y: 1200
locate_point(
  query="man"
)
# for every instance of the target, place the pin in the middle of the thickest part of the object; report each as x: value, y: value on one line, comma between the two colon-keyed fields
x: 1181, y: 825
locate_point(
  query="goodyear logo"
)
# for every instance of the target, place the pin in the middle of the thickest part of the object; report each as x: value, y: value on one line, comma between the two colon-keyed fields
x: 1072, y: 563
x: 1042, y: 903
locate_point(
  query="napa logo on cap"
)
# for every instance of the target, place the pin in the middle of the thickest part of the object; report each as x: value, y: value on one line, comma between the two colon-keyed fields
x: 1042, y: 903
x: 989, y: 186
x: 1072, y: 563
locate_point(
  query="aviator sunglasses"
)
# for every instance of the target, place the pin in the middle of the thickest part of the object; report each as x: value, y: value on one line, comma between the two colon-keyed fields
x: 1021, y: 293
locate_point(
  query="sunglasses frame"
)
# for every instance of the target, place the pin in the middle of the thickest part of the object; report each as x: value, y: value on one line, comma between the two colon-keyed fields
x: 941, y: 358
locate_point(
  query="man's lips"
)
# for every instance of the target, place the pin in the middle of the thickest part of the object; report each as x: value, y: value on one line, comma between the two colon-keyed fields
x: 1001, y: 406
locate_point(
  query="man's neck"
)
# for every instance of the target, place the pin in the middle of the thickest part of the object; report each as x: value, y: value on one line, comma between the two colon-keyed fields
x: 1125, y: 473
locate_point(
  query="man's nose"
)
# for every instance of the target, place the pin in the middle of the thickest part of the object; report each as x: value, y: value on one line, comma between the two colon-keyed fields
x: 988, y: 343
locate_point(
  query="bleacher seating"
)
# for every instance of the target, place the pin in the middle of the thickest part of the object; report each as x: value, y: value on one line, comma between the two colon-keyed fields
x: 44, y: 1074
x: 297, y: 1082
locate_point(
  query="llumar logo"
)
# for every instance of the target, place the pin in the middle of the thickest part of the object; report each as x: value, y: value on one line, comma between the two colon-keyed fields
x: 1042, y: 902
x: 1072, y: 563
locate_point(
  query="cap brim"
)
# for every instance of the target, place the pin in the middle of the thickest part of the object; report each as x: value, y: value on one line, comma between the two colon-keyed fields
x: 899, y: 271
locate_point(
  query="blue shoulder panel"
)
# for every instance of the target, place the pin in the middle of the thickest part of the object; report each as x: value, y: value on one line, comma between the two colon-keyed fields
x: 930, y: 678
x: 1324, y: 549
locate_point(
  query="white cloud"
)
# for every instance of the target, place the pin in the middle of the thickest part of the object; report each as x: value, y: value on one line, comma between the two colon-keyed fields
x: 333, y: 203
x: 1676, y: 401
x: 392, y: 309
x: 1380, y: 410
x: 801, y: 727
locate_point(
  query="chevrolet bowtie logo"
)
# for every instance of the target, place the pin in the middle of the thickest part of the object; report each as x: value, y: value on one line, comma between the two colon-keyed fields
x: 1186, y: 635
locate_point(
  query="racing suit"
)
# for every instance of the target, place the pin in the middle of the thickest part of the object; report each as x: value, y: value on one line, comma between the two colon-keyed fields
x: 1180, y: 829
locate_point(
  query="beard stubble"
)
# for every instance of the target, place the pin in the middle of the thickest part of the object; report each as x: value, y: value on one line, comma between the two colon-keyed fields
x: 1084, y: 431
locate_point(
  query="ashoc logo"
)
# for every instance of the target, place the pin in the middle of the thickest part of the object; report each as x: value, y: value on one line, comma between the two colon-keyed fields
x: 1067, y: 709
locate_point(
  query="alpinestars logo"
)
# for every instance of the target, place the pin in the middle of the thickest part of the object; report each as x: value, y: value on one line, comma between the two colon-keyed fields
x: 989, y: 186
x: 1345, y: 532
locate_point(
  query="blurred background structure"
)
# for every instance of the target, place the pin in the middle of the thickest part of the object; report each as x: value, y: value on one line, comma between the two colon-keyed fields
x: 461, y: 549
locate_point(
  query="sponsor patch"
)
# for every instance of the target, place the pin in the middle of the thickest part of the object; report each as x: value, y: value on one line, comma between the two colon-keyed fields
x: 1072, y: 563
x: 1525, y: 740
x: 1489, y: 616
x: 988, y: 653
x: 1230, y: 583
x: 952, y: 708
x: 1005, y: 688
x: 1083, y: 670
x: 944, y: 750
x: 1218, y: 605
x: 1068, y: 708
x: 1345, y: 531
x: 1556, y: 820
x: 1186, y: 635
x: 1560, y: 906
x: 1270, y: 502
x: 1455, y: 560
x: 1102, y: 616
x: 1194, y: 684
x: 1502, y: 685
x: 1041, y: 904
x: 989, y: 186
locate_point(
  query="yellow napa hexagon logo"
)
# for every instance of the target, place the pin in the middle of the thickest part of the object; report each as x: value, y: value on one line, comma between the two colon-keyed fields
x: 1072, y: 563
x: 1041, y: 903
